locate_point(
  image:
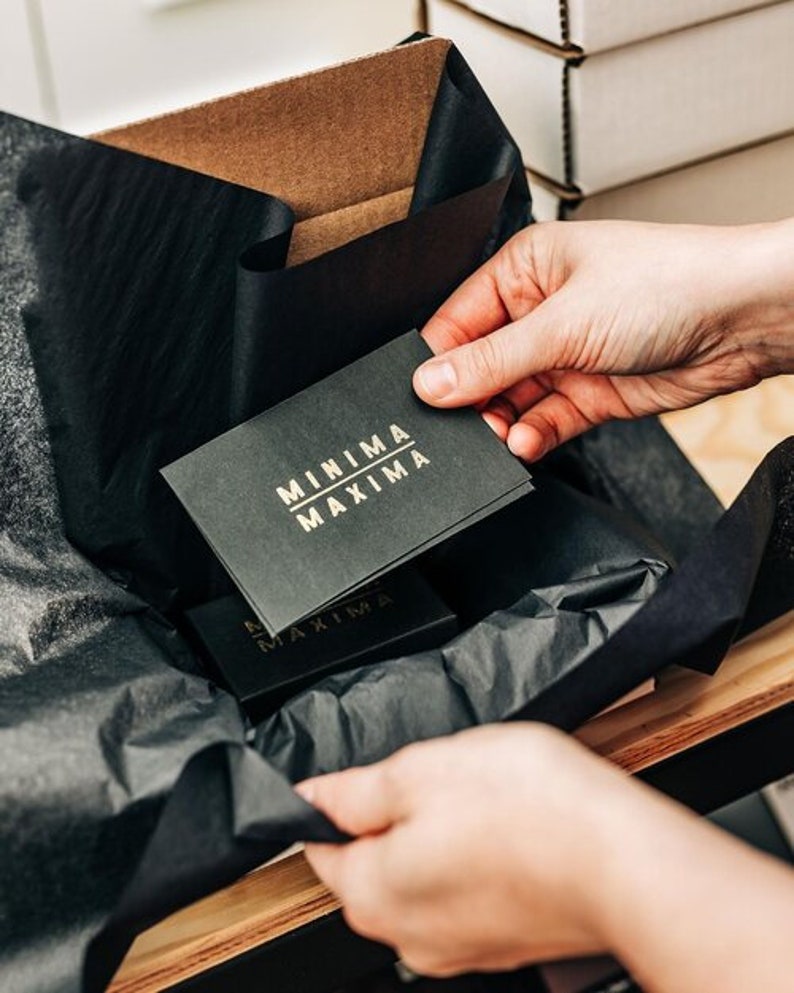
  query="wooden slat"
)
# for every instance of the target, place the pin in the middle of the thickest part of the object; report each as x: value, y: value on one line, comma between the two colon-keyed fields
x: 688, y: 708
x: 725, y: 438
x: 263, y: 905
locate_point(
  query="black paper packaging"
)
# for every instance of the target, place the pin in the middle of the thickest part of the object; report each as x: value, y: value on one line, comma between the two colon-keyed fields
x: 341, y: 483
x: 100, y: 703
x: 119, y: 413
x: 121, y: 392
x: 398, y: 614
x: 129, y: 326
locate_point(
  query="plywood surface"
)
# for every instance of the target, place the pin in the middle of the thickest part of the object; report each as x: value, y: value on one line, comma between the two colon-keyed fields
x: 263, y: 905
x: 725, y: 438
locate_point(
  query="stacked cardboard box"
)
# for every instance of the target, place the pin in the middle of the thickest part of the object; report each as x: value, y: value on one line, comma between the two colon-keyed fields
x: 676, y: 111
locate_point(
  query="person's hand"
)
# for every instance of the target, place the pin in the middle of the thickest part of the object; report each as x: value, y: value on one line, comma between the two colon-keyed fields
x: 573, y: 324
x: 512, y: 844
x: 474, y: 849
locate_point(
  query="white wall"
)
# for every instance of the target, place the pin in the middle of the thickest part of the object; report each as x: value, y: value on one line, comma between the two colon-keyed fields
x: 20, y: 92
x: 111, y: 61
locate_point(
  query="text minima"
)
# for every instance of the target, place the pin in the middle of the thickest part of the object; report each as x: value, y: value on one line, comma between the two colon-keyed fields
x: 340, y: 483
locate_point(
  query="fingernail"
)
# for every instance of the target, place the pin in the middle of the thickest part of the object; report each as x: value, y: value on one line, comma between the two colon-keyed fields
x: 496, y: 424
x: 306, y: 790
x: 438, y: 379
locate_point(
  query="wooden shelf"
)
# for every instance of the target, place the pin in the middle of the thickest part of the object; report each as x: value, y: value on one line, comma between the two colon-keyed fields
x: 688, y: 708
x: 261, y: 906
x: 725, y: 438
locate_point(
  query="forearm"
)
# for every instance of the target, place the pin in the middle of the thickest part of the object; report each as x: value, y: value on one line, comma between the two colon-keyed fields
x: 511, y: 844
x: 687, y: 908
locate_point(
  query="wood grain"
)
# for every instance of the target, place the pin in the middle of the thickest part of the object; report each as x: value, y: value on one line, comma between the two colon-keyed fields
x: 261, y: 906
x: 757, y: 676
x: 725, y: 438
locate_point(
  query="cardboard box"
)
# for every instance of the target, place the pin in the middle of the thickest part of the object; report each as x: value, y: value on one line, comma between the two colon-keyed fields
x: 755, y: 184
x: 593, y: 122
x: 297, y: 140
x: 595, y: 25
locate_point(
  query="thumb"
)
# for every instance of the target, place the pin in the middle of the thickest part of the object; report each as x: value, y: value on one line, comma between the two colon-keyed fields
x: 359, y: 801
x: 481, y: 369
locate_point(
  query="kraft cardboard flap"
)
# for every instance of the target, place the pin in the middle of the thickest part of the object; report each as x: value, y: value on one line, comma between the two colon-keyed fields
x: 315, y: 235
x: 334, y: 144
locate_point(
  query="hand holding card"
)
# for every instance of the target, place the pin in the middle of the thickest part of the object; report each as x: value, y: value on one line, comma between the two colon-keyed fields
x: 341, y: 483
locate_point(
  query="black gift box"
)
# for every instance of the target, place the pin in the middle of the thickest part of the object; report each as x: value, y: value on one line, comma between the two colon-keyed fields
x: 397, y: 615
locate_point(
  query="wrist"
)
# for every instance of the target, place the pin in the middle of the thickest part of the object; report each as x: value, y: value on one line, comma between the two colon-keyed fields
x: 581, y: 864
x: 617, y: 827
x: 762, y: 320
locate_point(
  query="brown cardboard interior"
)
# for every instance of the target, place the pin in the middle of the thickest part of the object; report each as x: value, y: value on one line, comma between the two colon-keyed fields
x: 341, y: 145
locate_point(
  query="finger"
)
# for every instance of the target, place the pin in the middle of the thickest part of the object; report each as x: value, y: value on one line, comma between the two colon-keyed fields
x: 490, y: 365
x: 501, y: 411
x: 552, y: 420
x: 328, y: 863
x: 498, y: 423
x: 502, y: 290
x: 526, y: 394
x: 473, y: 310
x: 359, y: 801
x: 353, y: 872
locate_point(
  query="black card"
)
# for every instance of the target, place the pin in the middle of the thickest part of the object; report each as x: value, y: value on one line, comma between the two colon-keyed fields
x: 342, y: 483
x: 397, y: 615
